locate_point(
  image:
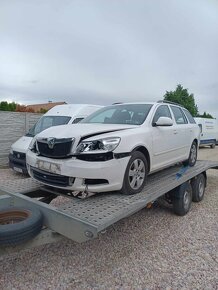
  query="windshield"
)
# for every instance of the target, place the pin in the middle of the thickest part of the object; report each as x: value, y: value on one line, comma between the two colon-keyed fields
x: 130, y: 114
x: 47, y: 121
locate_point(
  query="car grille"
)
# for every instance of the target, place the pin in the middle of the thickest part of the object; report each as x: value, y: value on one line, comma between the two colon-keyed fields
x: 50, y: 178
x: 18, y: 155
x: 55, y: 148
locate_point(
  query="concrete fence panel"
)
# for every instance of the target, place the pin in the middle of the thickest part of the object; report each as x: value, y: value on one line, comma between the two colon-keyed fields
x: 13, y: 125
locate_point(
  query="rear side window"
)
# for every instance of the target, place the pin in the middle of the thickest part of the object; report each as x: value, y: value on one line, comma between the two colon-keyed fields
x: 162, y: 111
x: 179, y: 115
x: 189, y: 116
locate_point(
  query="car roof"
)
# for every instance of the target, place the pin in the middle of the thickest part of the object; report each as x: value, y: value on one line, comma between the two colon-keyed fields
x: 71, y: 109
x: 148, y: 103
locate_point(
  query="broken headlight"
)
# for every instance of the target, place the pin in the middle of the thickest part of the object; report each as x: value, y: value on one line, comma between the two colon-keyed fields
x: 98, y: 146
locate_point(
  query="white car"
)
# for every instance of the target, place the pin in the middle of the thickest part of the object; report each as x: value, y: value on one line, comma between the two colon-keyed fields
x: 115, y: 148
x: 58, y: 115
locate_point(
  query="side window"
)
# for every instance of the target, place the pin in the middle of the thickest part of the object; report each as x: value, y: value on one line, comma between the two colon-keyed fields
x: 189, y: 116
x: 179, y: 115
x: 162, y: 111
x: 77, y: 120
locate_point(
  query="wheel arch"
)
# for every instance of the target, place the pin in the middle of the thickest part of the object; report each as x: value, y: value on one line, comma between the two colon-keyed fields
x: 144, y: 151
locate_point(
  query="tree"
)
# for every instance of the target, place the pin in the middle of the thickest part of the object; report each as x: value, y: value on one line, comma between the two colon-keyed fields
x: 12, y: 106
x: 5, y: 106
x: 206, y: 115
x: 42, y: 111
x: 182, y: 97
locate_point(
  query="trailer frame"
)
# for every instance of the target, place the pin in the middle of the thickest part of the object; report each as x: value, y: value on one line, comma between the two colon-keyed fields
x: 82, y: 220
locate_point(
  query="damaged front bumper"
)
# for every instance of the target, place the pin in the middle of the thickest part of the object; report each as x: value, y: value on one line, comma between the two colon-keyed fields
x: 78, y: 175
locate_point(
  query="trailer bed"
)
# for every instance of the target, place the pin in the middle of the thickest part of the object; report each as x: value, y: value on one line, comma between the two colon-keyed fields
x: 82, y: 219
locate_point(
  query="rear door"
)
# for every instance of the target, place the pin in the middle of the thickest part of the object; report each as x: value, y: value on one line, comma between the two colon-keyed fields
x: 183, y: 132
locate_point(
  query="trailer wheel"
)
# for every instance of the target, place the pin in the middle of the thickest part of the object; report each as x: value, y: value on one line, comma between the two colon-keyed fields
x: 18, y: 225
x: 182, y: 199
x: 192, y: 155
x: 198, y: 187
x: 136, y: 174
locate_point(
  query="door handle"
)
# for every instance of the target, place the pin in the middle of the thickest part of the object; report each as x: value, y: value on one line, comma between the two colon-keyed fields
x: 175, y: 132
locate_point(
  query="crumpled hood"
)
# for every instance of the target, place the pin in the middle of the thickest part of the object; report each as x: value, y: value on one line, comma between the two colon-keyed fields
x: 82, y: 130
x: 22, y: 144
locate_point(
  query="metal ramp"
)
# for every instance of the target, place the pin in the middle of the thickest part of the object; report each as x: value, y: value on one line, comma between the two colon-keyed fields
x: 82, y: 219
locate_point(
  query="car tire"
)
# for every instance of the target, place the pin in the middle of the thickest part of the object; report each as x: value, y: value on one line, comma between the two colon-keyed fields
x: 198, y: 187
x: 192, y: 155
x: 136, y: 174
x: 19, y: 225
x: 213, y: 146
x: 182, y: 199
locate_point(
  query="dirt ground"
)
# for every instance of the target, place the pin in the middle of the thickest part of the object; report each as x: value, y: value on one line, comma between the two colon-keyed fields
x: 153, y: 249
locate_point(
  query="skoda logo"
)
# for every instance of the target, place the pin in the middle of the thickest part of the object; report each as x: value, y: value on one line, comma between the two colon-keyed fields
x: 51, y: 142
x: 18, y: 155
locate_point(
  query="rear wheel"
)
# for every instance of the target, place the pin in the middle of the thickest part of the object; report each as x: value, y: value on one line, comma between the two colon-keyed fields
x: 136, y: 174
x: 192, y: 155
x: 213, y: 146
x: 198, y: 187
x: 182, y: 199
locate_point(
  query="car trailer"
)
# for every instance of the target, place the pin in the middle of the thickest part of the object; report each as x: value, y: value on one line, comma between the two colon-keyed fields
x: 82, y: 220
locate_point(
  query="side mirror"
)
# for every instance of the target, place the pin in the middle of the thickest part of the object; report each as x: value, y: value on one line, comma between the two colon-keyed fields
x: 163, y: 122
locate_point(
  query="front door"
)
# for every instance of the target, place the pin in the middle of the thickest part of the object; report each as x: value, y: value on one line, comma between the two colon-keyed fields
x: 164, y: 140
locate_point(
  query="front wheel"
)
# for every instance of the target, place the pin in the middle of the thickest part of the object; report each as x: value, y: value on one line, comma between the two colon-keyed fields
x: 192, y: 155
x: 136, y: 174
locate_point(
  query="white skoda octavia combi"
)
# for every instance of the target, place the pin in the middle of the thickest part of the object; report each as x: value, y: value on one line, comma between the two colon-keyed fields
x: 115, y: 148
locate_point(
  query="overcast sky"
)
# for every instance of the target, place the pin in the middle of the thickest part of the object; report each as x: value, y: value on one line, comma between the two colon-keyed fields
x: 108, y: 50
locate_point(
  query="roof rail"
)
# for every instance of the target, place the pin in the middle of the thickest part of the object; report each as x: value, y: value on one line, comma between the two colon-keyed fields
x: 117, y: 103
x: 168, y: 102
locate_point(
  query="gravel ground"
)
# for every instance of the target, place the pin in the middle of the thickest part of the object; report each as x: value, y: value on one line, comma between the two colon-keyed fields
x: 153, y: 249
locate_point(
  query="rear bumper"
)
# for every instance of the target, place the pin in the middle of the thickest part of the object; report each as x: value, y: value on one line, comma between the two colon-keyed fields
x: 16, y: 163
